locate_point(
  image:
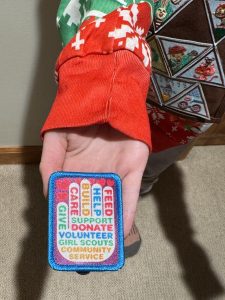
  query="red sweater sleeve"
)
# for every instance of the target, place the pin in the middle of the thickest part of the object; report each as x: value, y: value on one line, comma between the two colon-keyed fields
x: 104, y: 75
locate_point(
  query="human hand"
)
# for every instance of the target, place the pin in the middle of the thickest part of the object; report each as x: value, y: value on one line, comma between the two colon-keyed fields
x: 97, y: 148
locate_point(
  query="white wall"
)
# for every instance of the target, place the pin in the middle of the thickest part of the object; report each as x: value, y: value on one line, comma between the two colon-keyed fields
x: 29, y: 45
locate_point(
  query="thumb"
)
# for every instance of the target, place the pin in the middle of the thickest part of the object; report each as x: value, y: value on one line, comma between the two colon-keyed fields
x: 53, y: 154
x: 131, y: 187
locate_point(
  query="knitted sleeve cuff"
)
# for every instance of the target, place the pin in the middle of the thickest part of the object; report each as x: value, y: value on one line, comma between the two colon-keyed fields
x: 103, y: 88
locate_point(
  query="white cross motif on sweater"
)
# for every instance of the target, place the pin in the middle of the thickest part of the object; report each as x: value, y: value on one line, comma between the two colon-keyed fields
x: 78, y: 41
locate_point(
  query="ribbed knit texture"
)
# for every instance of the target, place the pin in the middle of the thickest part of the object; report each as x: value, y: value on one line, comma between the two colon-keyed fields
x: 98, y: 89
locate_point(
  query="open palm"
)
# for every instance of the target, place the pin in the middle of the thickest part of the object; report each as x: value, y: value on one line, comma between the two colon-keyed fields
x: 97, y: 148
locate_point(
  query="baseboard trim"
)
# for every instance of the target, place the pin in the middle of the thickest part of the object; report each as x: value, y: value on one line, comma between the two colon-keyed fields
x: 20, y: 155
x: 32, y: 154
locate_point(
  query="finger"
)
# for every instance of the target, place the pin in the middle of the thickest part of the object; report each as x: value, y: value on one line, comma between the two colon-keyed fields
x: 53, y: 154
x: 131, y: 187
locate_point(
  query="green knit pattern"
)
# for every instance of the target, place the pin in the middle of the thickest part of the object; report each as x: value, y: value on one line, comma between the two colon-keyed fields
x: 72, y: 13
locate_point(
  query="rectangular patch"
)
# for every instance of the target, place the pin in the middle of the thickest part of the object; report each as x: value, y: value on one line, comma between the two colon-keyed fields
x: 85, y: 222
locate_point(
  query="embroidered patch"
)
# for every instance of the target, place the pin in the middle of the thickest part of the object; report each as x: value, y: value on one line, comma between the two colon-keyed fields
x: 180, y: 53
x: 208, y: 70
x: 169, y: 88
x: 158, y: 61
x: 165, y: 10
x: 152, y: 94
x: 192, y: 103
x: 85, y: 222
x: 216, y: 15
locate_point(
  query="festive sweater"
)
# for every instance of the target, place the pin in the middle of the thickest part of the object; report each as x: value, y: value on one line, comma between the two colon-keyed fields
x: 187, y: 39
x: 104, y: 69
x: 180, y: 54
